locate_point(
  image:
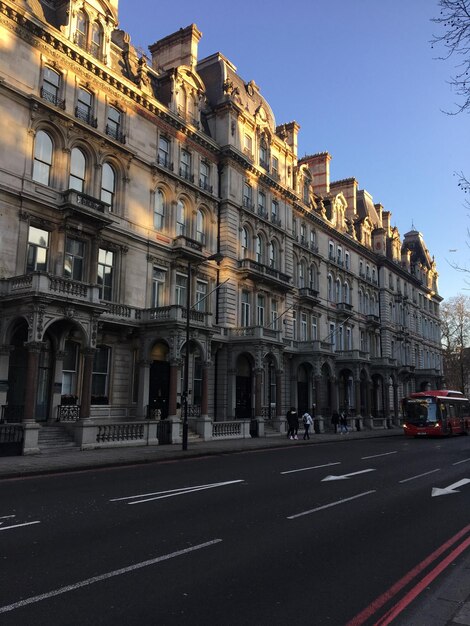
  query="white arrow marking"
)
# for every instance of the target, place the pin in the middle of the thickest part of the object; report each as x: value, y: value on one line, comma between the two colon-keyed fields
x: 159, y: 495
x: 450, y: 489
x: 345, y: 476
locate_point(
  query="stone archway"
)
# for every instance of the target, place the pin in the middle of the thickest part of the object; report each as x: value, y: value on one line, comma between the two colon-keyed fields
x: 243, y: 388
x: 159, y: 380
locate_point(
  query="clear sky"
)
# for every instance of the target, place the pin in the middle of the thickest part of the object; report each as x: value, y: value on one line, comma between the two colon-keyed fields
x: 361, y: 79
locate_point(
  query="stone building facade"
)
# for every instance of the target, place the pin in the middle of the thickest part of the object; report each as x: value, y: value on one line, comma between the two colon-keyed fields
x: 120, y: 174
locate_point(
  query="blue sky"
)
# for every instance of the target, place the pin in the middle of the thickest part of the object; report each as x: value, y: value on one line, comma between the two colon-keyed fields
x: 361, y: 79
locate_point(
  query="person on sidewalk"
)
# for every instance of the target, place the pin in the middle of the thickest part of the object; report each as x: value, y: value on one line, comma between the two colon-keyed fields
x: 344, y: 422
x: 293, y: 423
x: 307, y: 422
x: 335, y: 421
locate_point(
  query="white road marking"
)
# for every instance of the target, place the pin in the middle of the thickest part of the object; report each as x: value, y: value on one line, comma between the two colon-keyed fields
x: 159, y: 495
x: 305, y: 469
x: 346, y: 476
x: 462, y: 461
x: 327, y: 506
x: 419, y: 476
x: 375, y: 456
x: 97, y: 579
x: 19, y: 525
x: 450, y: 489
x: 7, y: 516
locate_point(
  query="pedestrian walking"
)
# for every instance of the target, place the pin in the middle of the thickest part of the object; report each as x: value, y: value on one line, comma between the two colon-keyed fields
x: 335, y: 420
x: 307, y: 422
x: 293, y: 423
x: 343, y: 420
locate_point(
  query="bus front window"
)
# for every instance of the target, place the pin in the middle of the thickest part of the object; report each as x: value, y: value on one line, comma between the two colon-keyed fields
x: 420, y: 412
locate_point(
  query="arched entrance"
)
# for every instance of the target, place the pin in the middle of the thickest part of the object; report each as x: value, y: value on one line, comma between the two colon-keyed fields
x: 159, y: 380
x: 243, y: 392
x: 17, y: 375
x: 303, y: 404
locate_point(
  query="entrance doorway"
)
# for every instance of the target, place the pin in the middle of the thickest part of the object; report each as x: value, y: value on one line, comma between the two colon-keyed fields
x: 159, y: 381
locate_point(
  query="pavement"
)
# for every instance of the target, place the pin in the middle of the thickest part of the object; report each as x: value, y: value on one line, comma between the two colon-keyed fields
x: 448, y: 603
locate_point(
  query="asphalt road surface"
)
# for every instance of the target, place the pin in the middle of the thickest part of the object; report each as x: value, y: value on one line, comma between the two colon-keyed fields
x: 344, y: 533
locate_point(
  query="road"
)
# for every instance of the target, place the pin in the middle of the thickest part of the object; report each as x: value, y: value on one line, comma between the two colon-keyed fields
x: 339, y: 533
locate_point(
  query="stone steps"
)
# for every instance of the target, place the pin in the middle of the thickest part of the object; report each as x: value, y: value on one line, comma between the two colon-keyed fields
x: 55, y: 438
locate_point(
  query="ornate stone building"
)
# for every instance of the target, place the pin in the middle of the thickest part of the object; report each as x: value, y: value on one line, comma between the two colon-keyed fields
x: 120, y: 175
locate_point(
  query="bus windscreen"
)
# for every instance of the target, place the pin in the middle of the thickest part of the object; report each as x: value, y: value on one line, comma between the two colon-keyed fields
x: 420, y: 411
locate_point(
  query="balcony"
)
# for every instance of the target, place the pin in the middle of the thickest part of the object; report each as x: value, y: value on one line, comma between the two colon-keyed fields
x: 43, y: 284
x: 344, y: 307
x: 373, y: 321
x: 263, y: 274
x: 176, y: 314
x: 309, y: 295
x: 86, y: 116
x: 310, y: 347
x: 86, y: 209
x: 188, y: 248
x: 352, y: 356
x: 250, y: 333
x: 115, y: 134
x: 52, y: 98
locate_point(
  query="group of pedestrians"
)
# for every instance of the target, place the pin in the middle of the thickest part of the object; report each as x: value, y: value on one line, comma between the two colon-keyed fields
x: 293, y: 424
x: 339, y: 420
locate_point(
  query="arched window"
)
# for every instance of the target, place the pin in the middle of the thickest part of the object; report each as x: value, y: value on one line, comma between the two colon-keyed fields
x: 108, y: 185
x: 96, y: 40
x: 259, y: 249
x: 200, y: 227
x: 338, y: 294
x: 330, y: 287
x: 77, y: 170
x: 245, y: 243
x: 312, y: 276
x: 159, y: 210
x: 42, y: 165
x: 346, y: 293
x: 273, y: 255
x: 180, y: 218
x: 82, y: 29
x: 366, y: 304
x: 361, y: 301
x: 302, y: 273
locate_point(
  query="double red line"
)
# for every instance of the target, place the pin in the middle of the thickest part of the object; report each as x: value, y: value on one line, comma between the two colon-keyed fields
x: 422, y: 583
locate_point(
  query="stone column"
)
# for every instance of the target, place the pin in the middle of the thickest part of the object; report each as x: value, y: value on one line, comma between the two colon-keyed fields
x: 205, y: 391
x: 357, y: 386
x: 173, y: 390
x: 31, y: 386
x: 85, y: 396
x: 258, y: 390
x: 4, y: 366
x: 143, y: 389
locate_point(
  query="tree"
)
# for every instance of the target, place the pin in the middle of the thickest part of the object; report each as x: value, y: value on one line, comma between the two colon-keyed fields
x: 455, y: 328
x: 454, y: 21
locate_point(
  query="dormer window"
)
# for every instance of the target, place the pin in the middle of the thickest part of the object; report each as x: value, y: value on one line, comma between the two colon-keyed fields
x: 96, y: 44
x: 81, y: 34
x: 89, y: 39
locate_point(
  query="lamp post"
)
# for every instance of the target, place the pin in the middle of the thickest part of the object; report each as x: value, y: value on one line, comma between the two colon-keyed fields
x: 213, y: 257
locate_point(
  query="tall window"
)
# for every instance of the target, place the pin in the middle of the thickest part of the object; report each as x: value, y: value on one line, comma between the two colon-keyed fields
x: 275, y: 167
x: 180, y: 290
x: 201, y: 296
x: 294, y: 325
x: 96, y: 43
x: 303, y: 327
x: 261, y: 203
x: 38, y: 246
x: 163, y: 157
x: 273, y: 255
x: 329, y: 282
x: 248, y: 145
x: 245, y: 309
x: 333, y: 336
x: 263, y: 154
x: 274, y: 315
x: 105, y: 274
x: 159, y: 210
x: 82, y: 29
x: 259, y: 249
x: 314, y: 328
x: 114, y: 123
x: 247, y: 196
x: 260, y: 305
x: 77, y: 170
x: 244, y: 243
x: 185, y: 164
x: 84, y: 108
x: 74, y: 258
x: 42, y: 164
x: 204, y: 176
x: 200, y: 227
x: 70, y: 368
x: 275, y: 211
x: 303, y: 233
x: 108, y: 185
x: 180, y: 218
x: 51, y: 86
x: 158, y: 287
x: 99, y: 381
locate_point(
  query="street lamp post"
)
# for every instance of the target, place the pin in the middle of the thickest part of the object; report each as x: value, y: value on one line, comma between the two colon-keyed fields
x: 213, y: 257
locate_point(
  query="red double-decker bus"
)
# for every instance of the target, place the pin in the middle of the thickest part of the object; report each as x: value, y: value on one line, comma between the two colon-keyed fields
x: 436, y: 413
